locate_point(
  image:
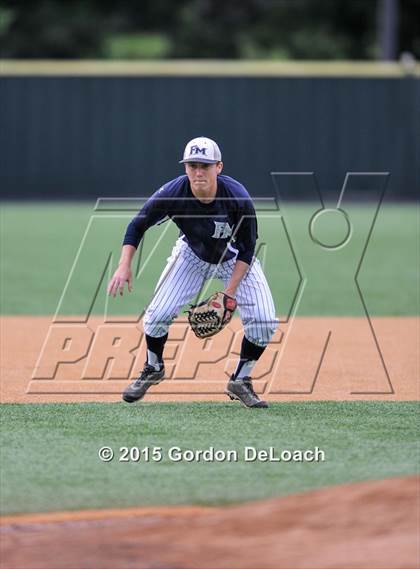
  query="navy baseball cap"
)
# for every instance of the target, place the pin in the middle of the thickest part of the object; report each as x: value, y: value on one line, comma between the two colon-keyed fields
x: 202, y: 149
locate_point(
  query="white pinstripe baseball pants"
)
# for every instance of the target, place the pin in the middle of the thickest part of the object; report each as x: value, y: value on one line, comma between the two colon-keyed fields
x: 184, y: 277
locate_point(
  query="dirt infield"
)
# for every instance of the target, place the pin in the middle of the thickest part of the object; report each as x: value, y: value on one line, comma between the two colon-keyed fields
x: 308, y: 359
x: 371, y: 525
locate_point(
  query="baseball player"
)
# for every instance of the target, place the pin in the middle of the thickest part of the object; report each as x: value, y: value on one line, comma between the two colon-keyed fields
x: 218, y: 233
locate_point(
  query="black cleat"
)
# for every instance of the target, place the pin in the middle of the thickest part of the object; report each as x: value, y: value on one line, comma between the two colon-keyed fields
x: 148, y: 377
x: 242, y: 390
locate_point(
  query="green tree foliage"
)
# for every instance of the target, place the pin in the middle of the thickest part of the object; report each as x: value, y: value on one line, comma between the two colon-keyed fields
x: 409, y: 27
x: 213, y: 29
x: 297, y: 29
x: 47, y: 29
x: 302, y: 29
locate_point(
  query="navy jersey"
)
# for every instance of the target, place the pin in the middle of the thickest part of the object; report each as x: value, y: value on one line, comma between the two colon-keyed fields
x: 216, y: 231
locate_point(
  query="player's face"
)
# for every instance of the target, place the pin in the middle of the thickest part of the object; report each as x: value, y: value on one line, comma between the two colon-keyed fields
x: 203, y: 177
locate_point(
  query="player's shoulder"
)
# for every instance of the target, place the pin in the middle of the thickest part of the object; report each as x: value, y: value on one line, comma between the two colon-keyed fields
x: 234, y: 187
x: 238, y: 194
x: 173, y: 188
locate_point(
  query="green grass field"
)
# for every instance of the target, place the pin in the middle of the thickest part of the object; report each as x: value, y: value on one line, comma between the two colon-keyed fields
x: 40, y: 243
x: 50, y: 452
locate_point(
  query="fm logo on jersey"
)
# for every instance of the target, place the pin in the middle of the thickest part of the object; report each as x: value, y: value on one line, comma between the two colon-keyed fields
x: 197, y: 150
x: 222, y: 230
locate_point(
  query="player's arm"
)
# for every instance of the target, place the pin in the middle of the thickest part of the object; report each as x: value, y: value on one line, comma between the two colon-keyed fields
x: 154, y: 210
x: 238, y: 273
x: 246, y: 238
x: 123, y: 274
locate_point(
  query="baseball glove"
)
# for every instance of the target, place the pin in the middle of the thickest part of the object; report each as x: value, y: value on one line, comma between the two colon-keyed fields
x: 211, y: 315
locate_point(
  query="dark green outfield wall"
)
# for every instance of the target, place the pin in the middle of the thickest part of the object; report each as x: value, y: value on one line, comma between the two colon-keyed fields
x: 72, y: 137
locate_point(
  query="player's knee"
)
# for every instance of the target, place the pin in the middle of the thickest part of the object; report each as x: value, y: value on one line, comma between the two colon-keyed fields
x: 271, y: 328
x: 261, y: 332
x: 156, y: 323
x: 155, y: 329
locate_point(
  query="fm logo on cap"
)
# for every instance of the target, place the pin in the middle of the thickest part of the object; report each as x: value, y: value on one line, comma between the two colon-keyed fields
x: 197, y: 150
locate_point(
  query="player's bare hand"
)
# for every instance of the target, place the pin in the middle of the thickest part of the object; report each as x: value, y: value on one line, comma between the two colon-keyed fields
x: 121, y: 276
